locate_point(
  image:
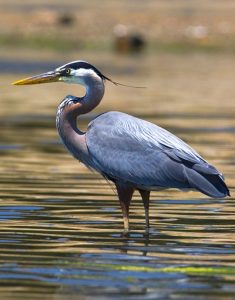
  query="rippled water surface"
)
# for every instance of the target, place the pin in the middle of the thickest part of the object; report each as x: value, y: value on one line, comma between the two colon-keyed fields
x: 61, y: 227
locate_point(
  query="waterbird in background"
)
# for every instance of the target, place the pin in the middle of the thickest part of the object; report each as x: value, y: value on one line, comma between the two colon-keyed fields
x: 133, y: 153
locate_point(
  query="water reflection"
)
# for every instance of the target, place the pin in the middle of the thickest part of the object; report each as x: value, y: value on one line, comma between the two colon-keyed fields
x: 61, y: 226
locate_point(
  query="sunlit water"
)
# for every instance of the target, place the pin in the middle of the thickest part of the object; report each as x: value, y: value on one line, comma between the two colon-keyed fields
x: 61, y: 227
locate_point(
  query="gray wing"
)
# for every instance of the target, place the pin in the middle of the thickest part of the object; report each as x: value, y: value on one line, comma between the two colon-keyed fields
x: 133, y: 150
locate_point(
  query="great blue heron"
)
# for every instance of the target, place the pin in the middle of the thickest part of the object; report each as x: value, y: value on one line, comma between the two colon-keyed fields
x: 134, y: 154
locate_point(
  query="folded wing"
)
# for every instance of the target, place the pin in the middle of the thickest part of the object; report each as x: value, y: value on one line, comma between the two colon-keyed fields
x: 136, y: 151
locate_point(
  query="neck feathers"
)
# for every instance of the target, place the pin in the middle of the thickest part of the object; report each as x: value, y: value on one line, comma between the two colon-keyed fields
x: 68, y: 111
x: 71, y: 107
x: 94, y: 93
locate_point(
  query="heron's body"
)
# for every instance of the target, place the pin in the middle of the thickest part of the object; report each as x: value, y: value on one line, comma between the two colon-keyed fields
x: 133, y: 153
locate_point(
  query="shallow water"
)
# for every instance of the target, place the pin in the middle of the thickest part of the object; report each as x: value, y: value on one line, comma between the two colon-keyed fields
x: 61, y: 227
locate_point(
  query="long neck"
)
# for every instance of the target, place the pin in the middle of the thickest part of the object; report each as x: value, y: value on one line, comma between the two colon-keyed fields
x: 69, y: 110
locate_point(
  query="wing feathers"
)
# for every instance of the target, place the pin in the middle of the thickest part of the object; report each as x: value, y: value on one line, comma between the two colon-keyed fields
x: 136, y: 151
x: 211, y: 185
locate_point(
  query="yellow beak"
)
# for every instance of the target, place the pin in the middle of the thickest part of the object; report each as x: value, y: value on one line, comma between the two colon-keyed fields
x: 41, y: 78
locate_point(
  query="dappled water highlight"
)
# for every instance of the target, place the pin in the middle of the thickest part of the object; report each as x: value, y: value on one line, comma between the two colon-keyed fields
x: 61, y: 226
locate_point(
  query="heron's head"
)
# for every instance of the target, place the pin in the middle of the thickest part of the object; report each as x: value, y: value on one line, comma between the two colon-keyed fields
x: 78, y: 71
x: 74, y: 72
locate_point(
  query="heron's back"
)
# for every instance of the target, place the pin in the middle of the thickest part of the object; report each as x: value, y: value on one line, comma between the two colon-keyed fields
x: 132, y: 150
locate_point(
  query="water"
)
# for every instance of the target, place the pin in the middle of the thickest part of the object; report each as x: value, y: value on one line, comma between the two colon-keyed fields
x: 61, y: 228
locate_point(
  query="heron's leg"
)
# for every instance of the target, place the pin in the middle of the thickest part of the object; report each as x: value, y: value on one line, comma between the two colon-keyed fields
x: 145, y: 197
x: 125, y: 193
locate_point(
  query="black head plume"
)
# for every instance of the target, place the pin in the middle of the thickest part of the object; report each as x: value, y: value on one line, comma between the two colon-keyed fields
x: 121, y: 84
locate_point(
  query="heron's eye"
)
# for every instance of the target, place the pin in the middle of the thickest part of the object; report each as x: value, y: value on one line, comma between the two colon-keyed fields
x: 67, y: 71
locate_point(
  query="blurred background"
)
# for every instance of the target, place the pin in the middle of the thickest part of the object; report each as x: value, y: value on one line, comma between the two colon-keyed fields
x: 182, y: 51
x: 53, y: 211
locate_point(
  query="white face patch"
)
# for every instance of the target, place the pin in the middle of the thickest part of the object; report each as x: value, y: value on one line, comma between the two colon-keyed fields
x: 84, y: 73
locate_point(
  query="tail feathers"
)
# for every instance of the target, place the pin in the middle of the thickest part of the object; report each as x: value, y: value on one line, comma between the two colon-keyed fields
x: 209, y: 184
